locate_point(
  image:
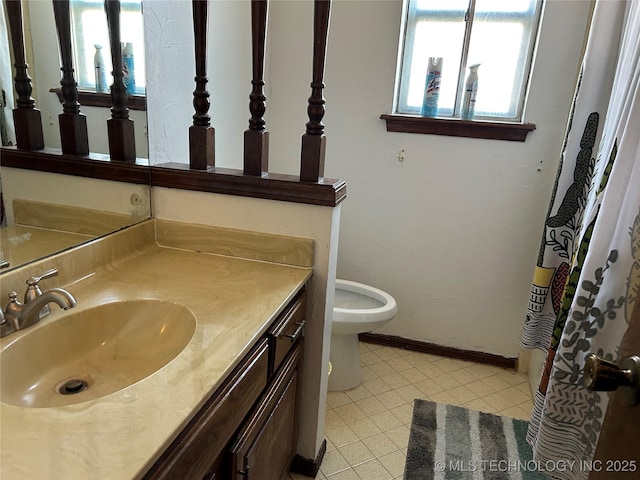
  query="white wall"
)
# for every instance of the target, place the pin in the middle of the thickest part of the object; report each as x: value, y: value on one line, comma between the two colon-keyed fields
x: 170, y: 71
x: 453, y: 231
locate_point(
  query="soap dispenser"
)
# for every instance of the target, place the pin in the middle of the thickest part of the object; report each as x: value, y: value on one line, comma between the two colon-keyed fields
x: 470, y: 93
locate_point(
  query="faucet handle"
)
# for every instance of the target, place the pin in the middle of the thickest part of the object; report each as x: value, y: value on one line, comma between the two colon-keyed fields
x: 34, y: 291
x: 6, y: 327
x: 13, y: 304
x: 33, y: 281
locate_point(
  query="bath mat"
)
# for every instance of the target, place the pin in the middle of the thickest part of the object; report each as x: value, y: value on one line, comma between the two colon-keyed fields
x: 449, y: 442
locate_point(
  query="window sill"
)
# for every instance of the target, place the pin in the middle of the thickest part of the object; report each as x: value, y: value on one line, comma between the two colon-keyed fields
x: 93, y: 99
x: 516, y: 132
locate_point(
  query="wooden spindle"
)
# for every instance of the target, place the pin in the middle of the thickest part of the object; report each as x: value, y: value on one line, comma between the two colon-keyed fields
x: 73, y: 124
x: 27, y: 118
x: 256, y: 138
x: 314, y: 141
x: 122, y: 145
x: 201, y: 133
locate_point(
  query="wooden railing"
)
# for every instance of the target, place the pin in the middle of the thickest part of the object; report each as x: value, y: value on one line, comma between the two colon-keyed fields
x: 201, y: 173
x: 74, y: 137
x: 201, y: 133
x: 27, y: 118
x: 256, y: 138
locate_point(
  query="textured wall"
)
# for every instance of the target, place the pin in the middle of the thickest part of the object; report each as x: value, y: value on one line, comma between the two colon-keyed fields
x: 453, y: 231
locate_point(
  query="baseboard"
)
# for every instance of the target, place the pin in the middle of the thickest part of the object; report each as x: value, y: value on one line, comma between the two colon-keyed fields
x: 432, y: 348
x: 306, y: 466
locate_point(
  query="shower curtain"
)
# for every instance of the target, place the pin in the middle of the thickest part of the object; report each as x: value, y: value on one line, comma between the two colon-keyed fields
x: 587, y: 278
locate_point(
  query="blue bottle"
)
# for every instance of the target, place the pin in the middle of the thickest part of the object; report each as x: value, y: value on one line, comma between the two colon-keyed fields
x: 128, y: 70
x: 432, y: 87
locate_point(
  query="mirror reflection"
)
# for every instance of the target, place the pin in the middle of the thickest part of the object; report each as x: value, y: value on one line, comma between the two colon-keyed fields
x: 45, y: 213
x: 49, y: 212
x: 89, y: 28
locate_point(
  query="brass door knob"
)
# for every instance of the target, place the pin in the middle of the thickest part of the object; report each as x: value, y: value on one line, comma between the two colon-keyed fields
x: 605, y: 376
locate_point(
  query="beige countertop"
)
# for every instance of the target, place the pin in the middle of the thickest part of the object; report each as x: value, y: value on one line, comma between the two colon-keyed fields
x: 120, y: 435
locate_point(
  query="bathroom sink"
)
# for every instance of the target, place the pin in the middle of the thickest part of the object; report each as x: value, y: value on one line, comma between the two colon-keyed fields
x: 88, y: 354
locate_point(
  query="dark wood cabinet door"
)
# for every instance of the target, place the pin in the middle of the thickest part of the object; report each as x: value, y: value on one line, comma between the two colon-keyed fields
x: 191, y: 455
x: 266, y: 445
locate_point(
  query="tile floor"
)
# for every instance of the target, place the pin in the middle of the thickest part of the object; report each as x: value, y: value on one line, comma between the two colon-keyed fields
x: 367, y: 428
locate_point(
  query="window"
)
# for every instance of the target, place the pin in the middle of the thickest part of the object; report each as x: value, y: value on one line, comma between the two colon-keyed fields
x: 89, y: 28
x: 497, y: 34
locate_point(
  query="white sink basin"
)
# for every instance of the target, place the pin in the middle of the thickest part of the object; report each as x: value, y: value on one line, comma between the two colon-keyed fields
x: 87, y: 354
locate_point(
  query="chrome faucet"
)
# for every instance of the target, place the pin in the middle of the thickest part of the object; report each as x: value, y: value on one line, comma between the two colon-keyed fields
x: 17, y: 316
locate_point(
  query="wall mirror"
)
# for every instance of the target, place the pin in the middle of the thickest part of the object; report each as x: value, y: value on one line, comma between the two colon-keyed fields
x: 45, y: 213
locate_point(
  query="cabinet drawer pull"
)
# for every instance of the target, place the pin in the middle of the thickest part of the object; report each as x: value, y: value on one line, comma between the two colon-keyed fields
x: 295, y: 335
x: 245, y: 472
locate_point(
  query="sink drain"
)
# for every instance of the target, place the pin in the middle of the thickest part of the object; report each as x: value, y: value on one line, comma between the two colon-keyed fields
x: 71, y: 387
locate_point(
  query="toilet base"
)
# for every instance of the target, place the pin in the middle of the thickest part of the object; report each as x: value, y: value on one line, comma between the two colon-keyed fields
x: 346, y: 371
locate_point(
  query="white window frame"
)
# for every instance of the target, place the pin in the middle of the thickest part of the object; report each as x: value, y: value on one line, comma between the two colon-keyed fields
x: 410, y: 18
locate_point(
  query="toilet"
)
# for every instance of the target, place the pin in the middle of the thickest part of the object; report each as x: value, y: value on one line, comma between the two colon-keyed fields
x: 357, y: 308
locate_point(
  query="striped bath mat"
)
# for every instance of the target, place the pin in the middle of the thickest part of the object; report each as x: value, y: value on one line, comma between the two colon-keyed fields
x: 449, y: 442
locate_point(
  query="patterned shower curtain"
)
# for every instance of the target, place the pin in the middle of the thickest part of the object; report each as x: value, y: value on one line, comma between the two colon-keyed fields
x: 587, y: 278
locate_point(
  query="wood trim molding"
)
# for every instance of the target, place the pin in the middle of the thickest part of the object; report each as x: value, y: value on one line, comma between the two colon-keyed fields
x: 288, y: 188
x: 516, y: 132
x: 93, y: 165
x: 432, y: 348
x: 94, y: 99
x: 307, y: 466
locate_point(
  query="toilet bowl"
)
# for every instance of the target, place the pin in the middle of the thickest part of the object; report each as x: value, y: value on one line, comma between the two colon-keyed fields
x: 358, y: 308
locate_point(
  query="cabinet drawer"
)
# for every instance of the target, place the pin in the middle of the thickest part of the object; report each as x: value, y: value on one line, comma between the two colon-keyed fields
x: 190, y: 456
x: 287, y: 330
x: 266, y: 444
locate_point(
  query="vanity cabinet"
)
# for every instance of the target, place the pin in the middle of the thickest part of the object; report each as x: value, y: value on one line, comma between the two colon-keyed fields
x: 247, y: 429
x: 266, y: 445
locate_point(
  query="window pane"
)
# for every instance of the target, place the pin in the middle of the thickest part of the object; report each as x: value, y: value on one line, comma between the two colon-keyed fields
x: 500, y: 37
x: 91, y: 29
x: 437, y: 30
x: 500, y: 42
x: 89, y: 25
x: 131, y: 31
